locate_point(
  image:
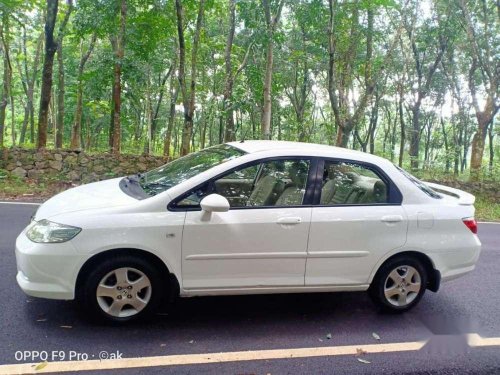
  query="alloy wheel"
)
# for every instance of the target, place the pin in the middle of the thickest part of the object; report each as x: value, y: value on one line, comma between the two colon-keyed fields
x: 402, y: 286
x: 124, y: 292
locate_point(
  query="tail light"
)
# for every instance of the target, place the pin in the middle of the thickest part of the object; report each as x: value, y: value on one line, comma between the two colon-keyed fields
x: 471, y: 224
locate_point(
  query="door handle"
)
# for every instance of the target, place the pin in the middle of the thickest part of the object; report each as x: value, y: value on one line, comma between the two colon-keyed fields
x: 289, y: 220
x: 392, y: 218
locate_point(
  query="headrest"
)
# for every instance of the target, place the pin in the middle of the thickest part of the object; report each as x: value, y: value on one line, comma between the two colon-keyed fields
x: 298, y: 173
x: 380, y: 192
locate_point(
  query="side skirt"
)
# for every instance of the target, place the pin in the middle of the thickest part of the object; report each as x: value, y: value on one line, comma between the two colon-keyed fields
x: 272, y: 290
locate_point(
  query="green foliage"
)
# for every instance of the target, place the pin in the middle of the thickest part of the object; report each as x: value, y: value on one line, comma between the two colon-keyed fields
x: 301, y: 61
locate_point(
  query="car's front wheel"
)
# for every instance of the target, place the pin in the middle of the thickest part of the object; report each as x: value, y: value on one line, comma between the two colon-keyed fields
x: 399, y: 284
x: 122, y: 289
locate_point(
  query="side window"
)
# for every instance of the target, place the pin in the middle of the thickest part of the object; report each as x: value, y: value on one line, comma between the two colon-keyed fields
x: 271, y: 183
x: 351, y: 183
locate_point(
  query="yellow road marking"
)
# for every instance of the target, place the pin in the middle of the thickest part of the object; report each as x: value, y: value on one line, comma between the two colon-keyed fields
x: 475, y: 340
x: 207, y: 358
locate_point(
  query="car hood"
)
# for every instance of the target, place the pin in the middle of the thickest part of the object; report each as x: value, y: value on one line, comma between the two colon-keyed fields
x: 103, y: 194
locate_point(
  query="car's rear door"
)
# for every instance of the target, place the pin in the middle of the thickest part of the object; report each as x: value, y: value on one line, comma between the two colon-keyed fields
x: 357, y: 219
x: 262, y: 240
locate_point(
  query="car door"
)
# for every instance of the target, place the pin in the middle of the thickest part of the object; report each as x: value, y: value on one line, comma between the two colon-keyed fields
x: 356, y: 220
x: 262, y: 240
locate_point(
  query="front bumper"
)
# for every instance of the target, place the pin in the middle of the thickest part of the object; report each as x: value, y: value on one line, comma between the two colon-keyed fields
x: 47, y: 270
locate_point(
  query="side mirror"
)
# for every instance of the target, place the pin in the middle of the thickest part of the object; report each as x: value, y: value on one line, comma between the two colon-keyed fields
x: 214, y: 203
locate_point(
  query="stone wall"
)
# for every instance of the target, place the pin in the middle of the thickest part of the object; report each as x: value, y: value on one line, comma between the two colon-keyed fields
x: 73, y: 166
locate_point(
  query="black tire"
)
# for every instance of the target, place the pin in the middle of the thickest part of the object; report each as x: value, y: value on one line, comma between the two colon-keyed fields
x: 87, y: 292
x: 380, y: 281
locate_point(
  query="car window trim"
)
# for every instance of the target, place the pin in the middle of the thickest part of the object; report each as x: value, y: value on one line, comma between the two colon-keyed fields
x: 395, y: 198
x: 308, y: 194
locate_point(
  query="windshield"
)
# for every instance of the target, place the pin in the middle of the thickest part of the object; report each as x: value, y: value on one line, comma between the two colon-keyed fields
x: 179, y: 170
x: 421, y: 185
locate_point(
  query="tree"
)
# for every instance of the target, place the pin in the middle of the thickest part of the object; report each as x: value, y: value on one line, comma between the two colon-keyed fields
x: 188, y: 95
x: 298, y: 85
x: 482, y: 35
x: 174, y: 93
x: 76, y: 131
x: 7, y: 74
x: 425, y: 66
x: 118, y: 45
x: 271, y: 25
x: 227, y: 108
x: 28, y: 78
x: 60, y: 97
x: 343, y: 43
x: 51, y: 45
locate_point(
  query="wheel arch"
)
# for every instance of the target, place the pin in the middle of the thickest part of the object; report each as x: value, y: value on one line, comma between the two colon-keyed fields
x: 169, y: 277
x: 434, y: 276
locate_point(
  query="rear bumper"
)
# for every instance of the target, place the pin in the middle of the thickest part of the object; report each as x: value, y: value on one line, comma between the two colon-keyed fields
x: 47, y: 270
x: 452, y: 264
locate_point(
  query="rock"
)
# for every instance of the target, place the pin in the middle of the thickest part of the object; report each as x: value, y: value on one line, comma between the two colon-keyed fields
x: 142, y: 167
x: 58, y: 157
x: 19, y: 172
x: 56, y: 164
x: 40, y: 164
x: 90, y: 178
x: 34, y: 174
x: 99, y: 169
x: 10, y: 166
x: 117, y: 171
x: 125, y: 165
x: 70, y: 160
x: 73, y: 176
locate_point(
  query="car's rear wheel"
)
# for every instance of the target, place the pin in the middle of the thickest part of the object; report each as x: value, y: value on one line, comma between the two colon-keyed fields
x: 122, y: 289
x: 399, y: 284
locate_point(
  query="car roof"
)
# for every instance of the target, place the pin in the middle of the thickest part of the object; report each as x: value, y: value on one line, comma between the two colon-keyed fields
x: 281, y: 147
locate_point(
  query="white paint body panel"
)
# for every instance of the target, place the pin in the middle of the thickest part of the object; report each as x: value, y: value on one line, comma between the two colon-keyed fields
x: 245, y: 248
x: 345, y: 242
x: 245, y: 251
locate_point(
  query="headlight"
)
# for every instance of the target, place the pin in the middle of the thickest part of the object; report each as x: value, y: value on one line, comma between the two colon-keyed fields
x: 45, y: 231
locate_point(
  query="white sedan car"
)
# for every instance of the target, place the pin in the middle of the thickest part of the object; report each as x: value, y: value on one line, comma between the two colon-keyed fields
x: 245, y: 218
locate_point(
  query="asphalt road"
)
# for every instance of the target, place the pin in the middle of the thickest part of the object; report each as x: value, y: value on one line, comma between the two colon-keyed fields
x: 227, y: 324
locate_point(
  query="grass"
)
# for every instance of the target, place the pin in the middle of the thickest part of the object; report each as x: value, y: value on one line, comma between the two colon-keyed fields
x: 487, y: 209
x: 12, y: 187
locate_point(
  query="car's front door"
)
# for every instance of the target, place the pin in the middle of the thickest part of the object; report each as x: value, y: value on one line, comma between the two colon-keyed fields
x: 357, y: 220
x: 262, y: 240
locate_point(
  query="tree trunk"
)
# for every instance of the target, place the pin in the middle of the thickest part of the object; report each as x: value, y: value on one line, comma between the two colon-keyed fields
x: 154, y: 123
x: 148, y: 146
x: 50, y: 49
x: 76, y: 131
x: 268, y: 81
x: 188, y: 99
x: 403, y: 135
x: 118, y: 44
x: 478, y: 144
x: 7, y: 73
x: 415, y: 136
x: 60, y: 98
x: 228, y: 89
x: 174, y: 92
x: 492, y: 149
x: 271, y: 24
x: 446, y: 146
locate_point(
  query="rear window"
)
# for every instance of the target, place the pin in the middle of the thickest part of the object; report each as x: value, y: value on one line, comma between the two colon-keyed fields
x: 421, y: 185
